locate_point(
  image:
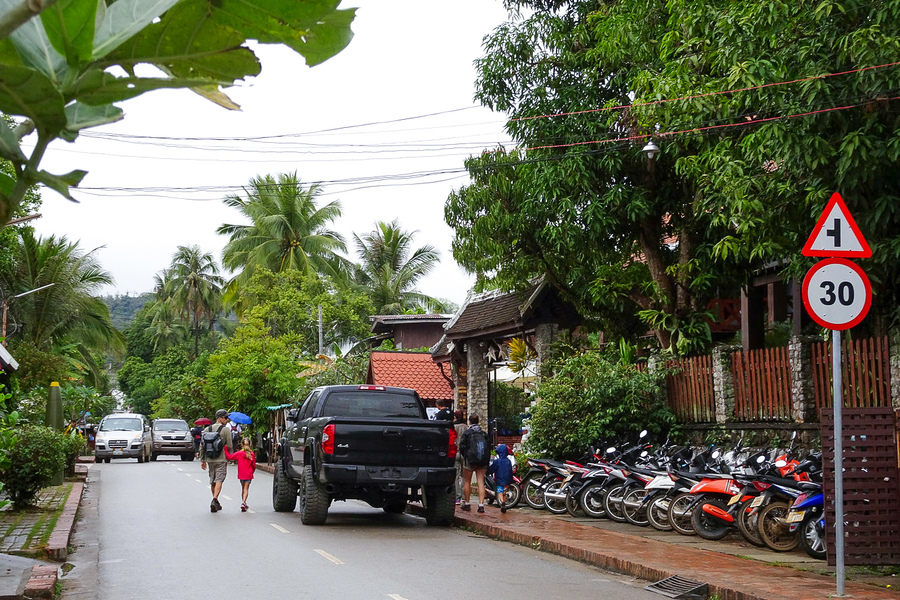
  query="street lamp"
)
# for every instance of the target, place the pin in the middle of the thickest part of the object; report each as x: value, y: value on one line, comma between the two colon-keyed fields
x: 6, y: 306
x: 650, y: 150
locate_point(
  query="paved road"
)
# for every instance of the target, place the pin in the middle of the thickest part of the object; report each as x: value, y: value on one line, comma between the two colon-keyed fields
x: 146, y: 530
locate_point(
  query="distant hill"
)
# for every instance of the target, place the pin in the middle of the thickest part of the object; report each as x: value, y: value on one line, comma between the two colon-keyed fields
x: 122, y: 309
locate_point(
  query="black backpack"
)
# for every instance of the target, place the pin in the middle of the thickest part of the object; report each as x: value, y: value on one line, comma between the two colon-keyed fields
x: 212, y: 442
x: 478, y: 454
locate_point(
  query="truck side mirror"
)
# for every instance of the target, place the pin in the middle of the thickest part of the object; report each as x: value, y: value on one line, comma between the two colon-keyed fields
x: 293, y: 415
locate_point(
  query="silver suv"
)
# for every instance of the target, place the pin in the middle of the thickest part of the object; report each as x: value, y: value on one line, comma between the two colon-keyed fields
x: 172, y: 436
x: 123, y: 435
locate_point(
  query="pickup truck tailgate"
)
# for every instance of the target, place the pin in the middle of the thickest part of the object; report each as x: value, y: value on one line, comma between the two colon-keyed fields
x: 390, y: 442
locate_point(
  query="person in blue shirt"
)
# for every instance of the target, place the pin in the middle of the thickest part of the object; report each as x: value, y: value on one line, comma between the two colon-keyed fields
x: 502, y: 471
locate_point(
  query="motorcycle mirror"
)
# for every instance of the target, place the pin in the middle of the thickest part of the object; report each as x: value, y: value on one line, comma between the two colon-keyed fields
x: 611, y: 450
x: 643, y: 434
x: 780, y: 463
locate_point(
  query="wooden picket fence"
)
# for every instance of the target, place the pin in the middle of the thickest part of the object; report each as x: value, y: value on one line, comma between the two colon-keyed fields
x: 865, y: 373
x: 762, y: 385
x: 690, y: 389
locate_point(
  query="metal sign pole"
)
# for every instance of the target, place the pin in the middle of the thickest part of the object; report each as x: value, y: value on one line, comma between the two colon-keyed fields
x: 838, y: 459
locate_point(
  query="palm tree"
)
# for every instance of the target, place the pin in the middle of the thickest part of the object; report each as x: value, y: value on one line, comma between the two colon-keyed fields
x: 389, y: 270
x: 193, y: 285
x: 67, y: 318
x: 286, y: 231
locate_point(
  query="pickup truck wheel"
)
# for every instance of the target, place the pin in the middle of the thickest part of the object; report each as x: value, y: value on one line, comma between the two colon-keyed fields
x: 284, y: 492
x: 314, y: 500
x: 440, y: 506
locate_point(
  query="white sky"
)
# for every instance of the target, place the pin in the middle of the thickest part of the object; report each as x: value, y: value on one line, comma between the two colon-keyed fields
x: 408, y: 58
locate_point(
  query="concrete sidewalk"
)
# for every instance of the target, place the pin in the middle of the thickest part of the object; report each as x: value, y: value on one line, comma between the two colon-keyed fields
x: 20, y: 533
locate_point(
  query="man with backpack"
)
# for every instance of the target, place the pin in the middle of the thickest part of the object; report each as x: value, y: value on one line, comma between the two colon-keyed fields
x: 476, y: 451
x: 214, y: 438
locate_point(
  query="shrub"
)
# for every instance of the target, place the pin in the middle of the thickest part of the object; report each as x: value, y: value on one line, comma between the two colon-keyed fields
x: 73, y: 446
x: 38, y: 455
x: 591, y: 398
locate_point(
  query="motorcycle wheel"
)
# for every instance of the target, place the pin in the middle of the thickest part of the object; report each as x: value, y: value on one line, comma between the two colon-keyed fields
x: 774, y: 532
x: 658, y: 514
x: 513, y: 495
x: 591, y: 500
x: 748, y: 523
x: 632, y: 509
x: 534, y: 496
x: 679, y: 515
x: 554, y: 505
x: 613, y: 503
x: 812, y: 539
x: 707, y: 526
x: 573, y: 504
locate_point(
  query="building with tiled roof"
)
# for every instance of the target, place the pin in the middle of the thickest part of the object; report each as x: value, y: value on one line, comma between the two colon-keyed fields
x: 413, y: 370
x: 409, y: 331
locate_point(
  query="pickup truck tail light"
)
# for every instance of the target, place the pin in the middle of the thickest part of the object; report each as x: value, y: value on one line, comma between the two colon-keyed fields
x: 451, y: 450
x: 328, y: 439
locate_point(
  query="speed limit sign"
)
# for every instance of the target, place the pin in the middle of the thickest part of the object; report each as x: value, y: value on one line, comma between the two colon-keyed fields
x: 837, y: 293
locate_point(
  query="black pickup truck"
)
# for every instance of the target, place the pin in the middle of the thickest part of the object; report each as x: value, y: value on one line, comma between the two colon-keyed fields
x: 365, y: 442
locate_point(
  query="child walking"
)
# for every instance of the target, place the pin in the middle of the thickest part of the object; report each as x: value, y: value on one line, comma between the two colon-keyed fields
x: 246, y: 461
x: 502, y: 471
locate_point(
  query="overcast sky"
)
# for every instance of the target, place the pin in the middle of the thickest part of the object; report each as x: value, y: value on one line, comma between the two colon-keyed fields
x: 156, y: 179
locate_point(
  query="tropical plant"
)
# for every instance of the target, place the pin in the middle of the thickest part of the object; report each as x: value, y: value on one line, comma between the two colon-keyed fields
x: 66, y: 317
x: 65, y: 69
x: 37, y: 456
x: 389, y: 269
x: 287, y: 231
x: 193, y: 287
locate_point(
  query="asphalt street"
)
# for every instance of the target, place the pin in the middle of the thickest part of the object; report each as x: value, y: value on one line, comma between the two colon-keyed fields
x: 146, y: 531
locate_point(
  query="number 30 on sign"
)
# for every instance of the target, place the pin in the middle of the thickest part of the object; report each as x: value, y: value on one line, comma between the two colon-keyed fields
x: 837, y: 293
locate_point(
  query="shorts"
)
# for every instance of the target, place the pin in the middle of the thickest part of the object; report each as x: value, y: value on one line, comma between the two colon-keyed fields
x: 501, y: 489
x: 245, y: 480
x: 217, y: 471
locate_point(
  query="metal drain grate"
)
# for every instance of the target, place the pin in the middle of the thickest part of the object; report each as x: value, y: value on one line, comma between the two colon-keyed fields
x: 679, y: 587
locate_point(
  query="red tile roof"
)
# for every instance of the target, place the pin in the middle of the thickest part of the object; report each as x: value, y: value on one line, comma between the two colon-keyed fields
x: 413, y: 370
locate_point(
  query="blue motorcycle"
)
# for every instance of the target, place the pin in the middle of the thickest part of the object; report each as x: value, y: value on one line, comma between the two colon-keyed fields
x: 807, y: 516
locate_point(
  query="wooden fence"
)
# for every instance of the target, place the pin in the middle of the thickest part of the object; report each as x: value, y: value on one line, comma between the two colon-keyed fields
x: 762, y: 385
x: 865, y: 373
x: 690, y: 389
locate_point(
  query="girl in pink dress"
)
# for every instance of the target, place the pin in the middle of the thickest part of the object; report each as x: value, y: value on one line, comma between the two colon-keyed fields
x: 246, y: 461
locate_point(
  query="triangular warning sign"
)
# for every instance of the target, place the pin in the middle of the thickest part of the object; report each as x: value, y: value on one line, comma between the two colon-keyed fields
x: 836, y: 233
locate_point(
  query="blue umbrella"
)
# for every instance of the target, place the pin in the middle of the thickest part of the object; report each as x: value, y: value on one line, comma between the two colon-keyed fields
x: 239, y: 417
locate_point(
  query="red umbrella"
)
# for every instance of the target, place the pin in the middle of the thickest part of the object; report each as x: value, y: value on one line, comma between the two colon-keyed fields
x: 202, y: 421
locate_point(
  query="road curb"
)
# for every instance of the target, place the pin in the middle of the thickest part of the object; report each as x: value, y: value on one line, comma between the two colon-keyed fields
x: 58, y: 544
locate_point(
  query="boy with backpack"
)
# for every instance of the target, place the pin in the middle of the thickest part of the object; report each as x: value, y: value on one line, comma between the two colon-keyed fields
x: 473, y: 445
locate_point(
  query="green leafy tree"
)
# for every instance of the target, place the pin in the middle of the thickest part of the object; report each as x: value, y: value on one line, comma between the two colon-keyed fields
x: 287, y: 231
x: 288, y: 304
x: 389, y: 269
x: 58, y: 68
x: 620, y: 235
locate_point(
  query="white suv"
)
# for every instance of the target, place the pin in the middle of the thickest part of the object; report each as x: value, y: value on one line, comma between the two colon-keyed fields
x: 123, y: 435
